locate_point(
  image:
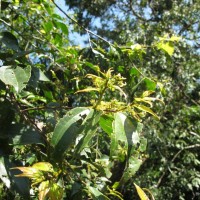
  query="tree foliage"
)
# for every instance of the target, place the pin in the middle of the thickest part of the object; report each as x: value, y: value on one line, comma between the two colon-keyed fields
x: 75, y: 121
x: 172, y: 167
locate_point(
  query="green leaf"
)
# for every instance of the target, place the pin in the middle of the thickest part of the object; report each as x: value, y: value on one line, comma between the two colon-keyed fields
x: 96, y: 194
x: 62, y: 26
x: 16, y: 77
x: 124, y: 131
x: 175, y: 38
x: 150, y: 85
x: 106, y: 123
x: 67, y: 129
x: 48, y: 26
x: 21, y: 135
x: 134, y: 71
x: 9, y: 40
x: 143, y: 144
x: 56, y: 192
x: 39, y: 74
x: 133, y: 166
x: 89, y: 128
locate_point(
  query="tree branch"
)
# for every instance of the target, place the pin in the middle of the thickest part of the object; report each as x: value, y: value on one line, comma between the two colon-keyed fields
x: 135, y: 13
x: 82, y: 27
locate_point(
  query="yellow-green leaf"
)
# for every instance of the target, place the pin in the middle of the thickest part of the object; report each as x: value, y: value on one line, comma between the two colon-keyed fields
x: 141, y: 193
x: 56, y: 192
x: 151, y: 195
x: 147, y: 93
x: 145, y: 109
x: 89, y: 89
x: 175, y: 38
x: 29, y: 172
x: 43, y: 190
x: 43, y: 166
x: 167, y: 47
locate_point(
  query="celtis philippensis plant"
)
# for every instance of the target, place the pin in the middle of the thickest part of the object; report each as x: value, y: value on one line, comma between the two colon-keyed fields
x: 79, y: 143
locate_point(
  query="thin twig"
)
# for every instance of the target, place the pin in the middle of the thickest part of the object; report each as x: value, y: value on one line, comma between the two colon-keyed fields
x: 46, y: 107
x: 26, y: 117
x: 135, y: 13
x: 81, y: 26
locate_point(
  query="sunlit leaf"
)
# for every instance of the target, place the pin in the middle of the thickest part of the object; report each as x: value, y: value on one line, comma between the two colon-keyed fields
x: 146, y: 109
x: 43, y: 190
x: 88, y: 129
x: 141, y: 193
x: 151, y: 195
x: 167, y: 47
x: 56, y: 192
x: 62, y: 26
x: 29, y: 172
x: 175, y: 38
x: 43, y: 166
x: 48, y: 26
x: 67, y: 130
x: 124, y: 130
x: 89, y: 89
x: 97, y: 53
x: 106, y: 123
x: 16, y: 77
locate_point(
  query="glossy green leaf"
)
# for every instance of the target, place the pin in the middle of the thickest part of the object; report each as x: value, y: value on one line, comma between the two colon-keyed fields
x: 16, y: 77
x: 134, y: 71
x: 67, y: 129
x: 96, y: 194
x: 150, y: 84
x: 125, y: 131
x: 106, y: 123
x: 9, y: 40
x: 89, y: 127
x: 132, y: 167
x: 21, y: 135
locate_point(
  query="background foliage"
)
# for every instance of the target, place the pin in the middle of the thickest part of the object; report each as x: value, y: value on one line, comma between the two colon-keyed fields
x: 76, y: 121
